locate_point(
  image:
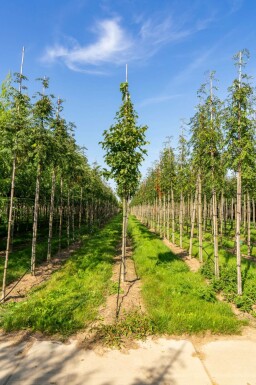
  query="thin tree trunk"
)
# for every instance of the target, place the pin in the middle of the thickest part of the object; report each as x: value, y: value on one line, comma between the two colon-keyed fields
x: 68, y: 220
x: 73, y: 218
x: 205, y: 213
x: 164, y: 217
x: 200, y: 229
x: 248, y: 225
x: 7, y: 252
x: 181, y: 219
x: 49, y: 251
x: 80, y: 208
x: 173, y: 217
x: 35, y: 221
x: 221, y: 215
x: 60, y: 214
x: 124, y: 235
x: 215, y: 234
x: 193, y: 222
x: 253, y: 212
x: 168, y: 217
x: 238, y: 227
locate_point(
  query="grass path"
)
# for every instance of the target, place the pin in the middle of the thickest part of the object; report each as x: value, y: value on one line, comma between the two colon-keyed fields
x: 178, y: 301
x: 70, y: 299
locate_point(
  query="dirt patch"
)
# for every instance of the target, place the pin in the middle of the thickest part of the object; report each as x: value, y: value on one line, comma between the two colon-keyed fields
x: 117, y: 306
x: 18, y: 289
x: 129, y: 298
x: 193, y: 263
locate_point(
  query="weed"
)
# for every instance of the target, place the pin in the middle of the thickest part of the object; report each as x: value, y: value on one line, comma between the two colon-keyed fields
x: 133, y: 325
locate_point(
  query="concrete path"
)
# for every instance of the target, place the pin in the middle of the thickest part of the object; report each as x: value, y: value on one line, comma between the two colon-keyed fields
x: 154, y: 362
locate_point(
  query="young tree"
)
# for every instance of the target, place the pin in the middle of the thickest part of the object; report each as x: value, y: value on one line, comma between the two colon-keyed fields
x: 240, y: 141
x: 124, y: 142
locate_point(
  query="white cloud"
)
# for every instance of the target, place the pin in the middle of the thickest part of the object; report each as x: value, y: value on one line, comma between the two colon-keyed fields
x: 112, y: 44
x: 115, y: 45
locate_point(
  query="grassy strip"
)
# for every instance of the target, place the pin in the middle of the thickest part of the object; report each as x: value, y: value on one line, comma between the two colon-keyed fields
x: 20, y: 259
x: 70, y: 299
x: 178, y: 301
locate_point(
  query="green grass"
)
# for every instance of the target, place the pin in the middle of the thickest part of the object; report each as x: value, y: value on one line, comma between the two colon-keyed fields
x: 70, y: 299
x: 20, y: 259
x: 227, y: 283
x: 178, y: 301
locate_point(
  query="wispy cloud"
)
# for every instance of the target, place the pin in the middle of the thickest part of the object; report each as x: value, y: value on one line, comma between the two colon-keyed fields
x: 235, y: 5
x: 114, y: 44
x: 158, y: 99
x: 111, y: 44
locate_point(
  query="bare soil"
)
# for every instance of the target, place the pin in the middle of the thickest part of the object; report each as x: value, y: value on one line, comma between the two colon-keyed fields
x: 18, y: 289
x: 193, y: 263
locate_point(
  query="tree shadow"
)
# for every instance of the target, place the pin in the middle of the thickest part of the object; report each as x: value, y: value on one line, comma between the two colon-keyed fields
x: 49, y: 362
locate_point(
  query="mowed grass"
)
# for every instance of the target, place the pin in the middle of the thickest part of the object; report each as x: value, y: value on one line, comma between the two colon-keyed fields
x: 70, y: 299
x: 177, y: 300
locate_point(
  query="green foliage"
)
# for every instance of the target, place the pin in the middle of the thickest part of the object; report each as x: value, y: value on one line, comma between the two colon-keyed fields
x: 124, y: 144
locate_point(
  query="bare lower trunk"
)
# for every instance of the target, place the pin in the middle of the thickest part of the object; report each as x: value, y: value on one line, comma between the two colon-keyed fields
x: 49, y: 251
x: 60, y: 214
x: 221, y: 215
x: 253, y: 212
x: 238, y: 226
x: 124, y: 235
x: 164, y: 217
x: 248, y: 225
x: 7, y: 252
x: 200, y: 227
x: 168, y: 217
x: 35, y: 221
x: 73, y: 218
x: 215, y: 234
x: 80, y: 208
x: 205, y: 213
x: 193, y: 222
x: 68, y: 220
x: 173, y: 217
x: 181, y: 219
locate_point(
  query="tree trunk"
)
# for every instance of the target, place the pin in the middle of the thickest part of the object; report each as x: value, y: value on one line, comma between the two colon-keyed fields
x: 73, y: 217
x: 124, y: 235
x: 253, y: 212
x: 80, y: 208
x: 68, y: 220
x: 215, y: 234
x: 193, y: 222
x: 248, y: 225
x: 200, y: 227
x: 168, y: 217
x: 60, y: 214
x: 173, y: 217
x: 35, y: 221
x: 205, y: 213
x: 181, y: 219
x: 238, y: 227
x: 7, y: 252
x: 49, y: 252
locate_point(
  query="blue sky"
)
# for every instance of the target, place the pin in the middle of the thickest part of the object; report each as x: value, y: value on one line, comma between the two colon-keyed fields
x: 83, y: 46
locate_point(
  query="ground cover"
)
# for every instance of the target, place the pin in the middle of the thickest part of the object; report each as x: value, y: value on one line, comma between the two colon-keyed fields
x: 70, y: 299
x: 227, y: 284
x: 178, y: 301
